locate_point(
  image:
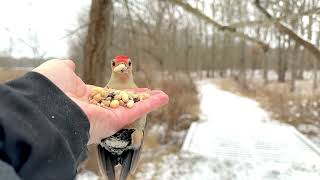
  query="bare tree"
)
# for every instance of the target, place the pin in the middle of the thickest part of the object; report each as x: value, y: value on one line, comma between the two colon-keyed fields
x: 95, y: 47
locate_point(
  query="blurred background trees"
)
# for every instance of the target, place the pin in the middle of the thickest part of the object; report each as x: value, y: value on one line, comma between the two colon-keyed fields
x: 220, y: 38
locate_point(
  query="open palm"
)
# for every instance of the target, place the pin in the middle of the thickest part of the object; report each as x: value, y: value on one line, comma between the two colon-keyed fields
x: 103, y: 122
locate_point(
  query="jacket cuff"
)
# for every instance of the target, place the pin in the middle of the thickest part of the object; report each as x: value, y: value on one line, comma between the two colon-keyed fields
x: 61, y: 111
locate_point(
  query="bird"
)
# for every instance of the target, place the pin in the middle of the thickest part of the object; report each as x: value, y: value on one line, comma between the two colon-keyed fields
x: 124, y: 147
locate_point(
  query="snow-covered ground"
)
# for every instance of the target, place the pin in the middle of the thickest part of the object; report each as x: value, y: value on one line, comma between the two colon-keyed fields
x: 235, y: 140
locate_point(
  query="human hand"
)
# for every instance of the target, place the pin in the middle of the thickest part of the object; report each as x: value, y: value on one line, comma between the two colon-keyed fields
x: 103, y: 122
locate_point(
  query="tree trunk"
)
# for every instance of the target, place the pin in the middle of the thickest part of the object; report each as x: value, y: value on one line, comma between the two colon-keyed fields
x: 315, y: 74
x: 265, y: 60
x: 294, y: 58
x: 265, y: 68
x: 316, y: 66
x: 212, y: 63
x: 242, y: 64
x: 301, y: 61
x: 132, y: 50
x: 95, y: 47
x: 281, y: 61
x: 187, y: 51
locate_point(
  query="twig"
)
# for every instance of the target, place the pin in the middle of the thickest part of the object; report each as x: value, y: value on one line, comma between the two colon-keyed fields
x: 218, y: 25
x: 284, y: 29
x: 273, y: 20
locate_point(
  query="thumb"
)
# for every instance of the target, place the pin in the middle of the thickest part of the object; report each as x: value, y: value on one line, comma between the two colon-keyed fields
x: 70, y: 64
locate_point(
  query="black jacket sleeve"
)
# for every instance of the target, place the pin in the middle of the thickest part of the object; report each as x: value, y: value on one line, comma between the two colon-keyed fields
x: 43, y: 134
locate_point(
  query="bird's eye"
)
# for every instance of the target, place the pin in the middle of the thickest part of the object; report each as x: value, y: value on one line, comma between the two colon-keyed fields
x: 130, y: 63
x: 113, y: 63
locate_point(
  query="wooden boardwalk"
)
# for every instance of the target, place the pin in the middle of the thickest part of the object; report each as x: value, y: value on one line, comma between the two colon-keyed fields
x: 237, y: 129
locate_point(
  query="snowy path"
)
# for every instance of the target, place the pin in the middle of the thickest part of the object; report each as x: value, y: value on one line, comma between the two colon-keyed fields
x: 237, y: 129
x: 236, y: 140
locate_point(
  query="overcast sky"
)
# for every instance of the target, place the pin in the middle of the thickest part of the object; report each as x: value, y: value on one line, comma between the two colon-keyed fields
x: 44, y: 20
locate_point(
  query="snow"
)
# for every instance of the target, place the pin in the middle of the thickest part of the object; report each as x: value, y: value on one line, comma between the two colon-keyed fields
x: 224, y: 108
x: 88, y: 175
x: 236, y: 139
x: 188, y: 166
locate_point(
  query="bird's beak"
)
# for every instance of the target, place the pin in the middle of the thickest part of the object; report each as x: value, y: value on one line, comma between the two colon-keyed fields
x: 121, y: 68
x: 125, y: 70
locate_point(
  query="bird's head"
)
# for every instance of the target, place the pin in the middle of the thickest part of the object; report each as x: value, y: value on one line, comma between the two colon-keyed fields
x: 121, y: 65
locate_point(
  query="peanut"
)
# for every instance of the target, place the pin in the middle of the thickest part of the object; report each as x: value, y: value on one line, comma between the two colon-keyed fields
x: 114, y: 103
x: 130, y: 103
x: 125, y: 97
x: 92, y: 101
x: 107, y: 97
x: 140, y: 97
x: 135, y: 95
x: 106, y: 103
x: 121, y: 103
x: 98, y: 89
x: 145, y: 96
x: 97, y: 97
x: 119, y: 67
x: 118, y: 97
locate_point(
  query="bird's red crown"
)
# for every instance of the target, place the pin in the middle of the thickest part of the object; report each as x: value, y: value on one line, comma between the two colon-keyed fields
x: 121, y: 58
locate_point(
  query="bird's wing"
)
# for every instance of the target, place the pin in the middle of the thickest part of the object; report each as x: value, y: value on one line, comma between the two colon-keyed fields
x: 106, y: 165
x: 127, y: 160
x: 130, y: 161
x: 137, y: 152
x: 136, y: 157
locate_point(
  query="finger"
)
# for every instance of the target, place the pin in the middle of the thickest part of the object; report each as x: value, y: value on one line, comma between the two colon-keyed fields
x: 81, y: 88
x: 70, y: 64
x: 141, y: 108
x: 139, y: 90
x: 89, y: 86
x: 154, y: 92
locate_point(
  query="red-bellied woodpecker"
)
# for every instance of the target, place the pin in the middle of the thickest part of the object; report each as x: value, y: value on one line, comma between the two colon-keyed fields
x: 124, y: 147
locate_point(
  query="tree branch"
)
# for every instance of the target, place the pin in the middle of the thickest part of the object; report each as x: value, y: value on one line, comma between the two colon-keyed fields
x: 283, y: 29
x: 273, y: 20
x: 219, y: 26
x: 72, y: 32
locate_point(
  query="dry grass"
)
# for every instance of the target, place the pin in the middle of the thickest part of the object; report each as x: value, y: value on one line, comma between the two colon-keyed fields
x: 285, y: 106
x: 9, y: 74
x: 183, y: 107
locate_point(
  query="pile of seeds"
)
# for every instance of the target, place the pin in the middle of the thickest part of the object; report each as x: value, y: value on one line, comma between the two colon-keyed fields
x: 113, y: 98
